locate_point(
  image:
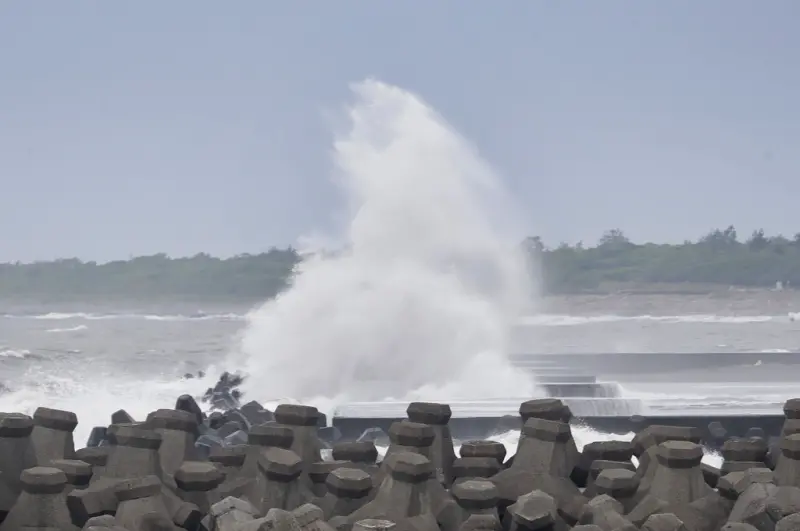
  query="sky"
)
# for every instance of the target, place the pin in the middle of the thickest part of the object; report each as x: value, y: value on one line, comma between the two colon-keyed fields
x: 131, y: 128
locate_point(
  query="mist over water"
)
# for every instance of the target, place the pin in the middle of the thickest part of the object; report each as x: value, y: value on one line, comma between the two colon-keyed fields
x: 421, y: 301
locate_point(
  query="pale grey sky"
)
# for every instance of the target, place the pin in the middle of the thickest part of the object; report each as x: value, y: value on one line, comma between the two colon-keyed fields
x: 185, y: 126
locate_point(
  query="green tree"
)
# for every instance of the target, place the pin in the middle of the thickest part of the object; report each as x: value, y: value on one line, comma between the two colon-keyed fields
x: 758, y: 241
x: 716, y: 258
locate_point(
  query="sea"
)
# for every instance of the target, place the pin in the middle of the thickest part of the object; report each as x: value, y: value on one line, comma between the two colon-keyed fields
x: 95, y: 359
x: 427, y: 298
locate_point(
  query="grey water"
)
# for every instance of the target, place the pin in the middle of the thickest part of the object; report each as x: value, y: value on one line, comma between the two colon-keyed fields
x: 96, y: 358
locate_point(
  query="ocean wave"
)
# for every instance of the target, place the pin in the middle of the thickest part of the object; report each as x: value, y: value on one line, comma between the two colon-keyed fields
x: 63, y: 316
x: 70, y: 329
x: 11, y: 353
x: 543, y: 320
x: 578, y: 320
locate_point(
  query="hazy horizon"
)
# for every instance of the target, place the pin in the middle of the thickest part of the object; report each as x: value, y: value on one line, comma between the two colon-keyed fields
x: 549, y: 245
x: 134, y: 129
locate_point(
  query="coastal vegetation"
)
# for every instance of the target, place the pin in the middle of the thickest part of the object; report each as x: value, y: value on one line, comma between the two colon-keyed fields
x: 720, y: 258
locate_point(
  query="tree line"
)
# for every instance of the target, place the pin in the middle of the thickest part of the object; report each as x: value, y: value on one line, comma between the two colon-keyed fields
x: 718, y: 258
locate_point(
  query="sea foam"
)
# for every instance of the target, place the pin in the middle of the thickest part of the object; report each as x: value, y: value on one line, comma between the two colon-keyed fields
x: 420, y: 300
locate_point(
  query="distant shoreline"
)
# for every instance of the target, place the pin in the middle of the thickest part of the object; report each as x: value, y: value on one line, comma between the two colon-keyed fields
x: 677, y: 288
x: 611, y: 291
x: 716, y: 263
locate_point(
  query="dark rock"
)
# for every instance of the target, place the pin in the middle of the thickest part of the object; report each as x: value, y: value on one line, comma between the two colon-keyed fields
x: 215, y: 420
x: 197, y: 476
x: 187, y: 403
x: 206, y: 442
x: 97, y: 436
x: 234, y: 415
x: 491, y: 449
x: 329, y: 434
x: 545, y: 409
x: 237, y: 438
x: 271, y: 435
x: 318, y: 473
x: 256, y: 414
x: 232, y: 426
x: 78, y: 473
x: 122, y: 417
x: 356, y: 452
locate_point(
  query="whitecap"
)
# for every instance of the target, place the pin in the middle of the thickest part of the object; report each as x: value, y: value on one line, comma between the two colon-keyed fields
x: 70, y: 329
